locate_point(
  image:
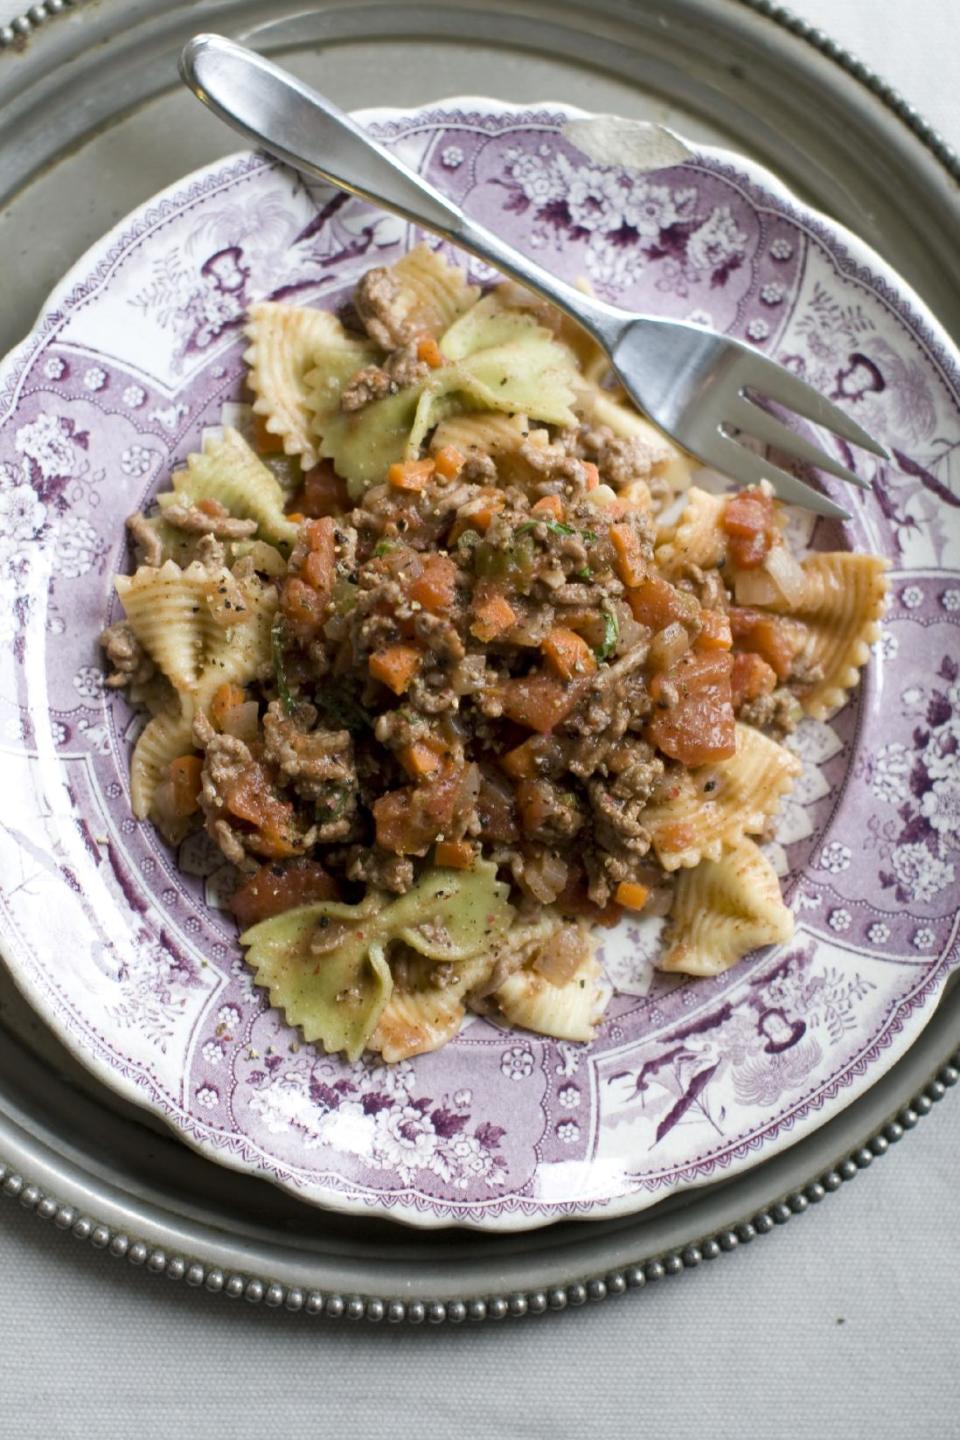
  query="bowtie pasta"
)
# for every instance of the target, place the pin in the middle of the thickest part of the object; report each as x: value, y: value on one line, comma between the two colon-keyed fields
x: 423, y: 656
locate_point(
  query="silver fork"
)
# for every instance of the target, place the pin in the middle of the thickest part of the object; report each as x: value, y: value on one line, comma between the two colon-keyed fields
x: 696, y: 386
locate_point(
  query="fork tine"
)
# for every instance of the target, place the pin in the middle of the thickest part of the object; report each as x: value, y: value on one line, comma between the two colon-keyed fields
x: 758, y: 373
x: 742, y: 465
x: 766, y: 427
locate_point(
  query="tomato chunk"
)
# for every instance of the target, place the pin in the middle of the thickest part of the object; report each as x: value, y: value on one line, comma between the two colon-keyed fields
x: 695, y: 724
x: 185, y: 773
x: 275, y: 888
x: 409, y: 820
x: 540, y: 702
x: 748, y: 521
x: 751, y: 677
x: 765, y: 636
x: 250, y: 798
x: 657, y: 603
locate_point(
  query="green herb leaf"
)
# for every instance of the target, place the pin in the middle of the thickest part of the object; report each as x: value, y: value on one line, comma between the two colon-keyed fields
x: 383, y: 547
x: 611, y: 634
x: 557, y: 527
x: 278, y: 640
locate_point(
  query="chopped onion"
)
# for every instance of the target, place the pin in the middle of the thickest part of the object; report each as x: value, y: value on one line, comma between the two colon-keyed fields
x: 755, y: 587
x: 786, y: 572
x: 242, y: 721
x: 558, y: 960
x: 544, y: 876
x: 667, y: 646
x: 601, y: 496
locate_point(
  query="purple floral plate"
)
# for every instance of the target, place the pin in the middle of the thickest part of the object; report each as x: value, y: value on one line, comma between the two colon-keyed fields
x: 120, y: 943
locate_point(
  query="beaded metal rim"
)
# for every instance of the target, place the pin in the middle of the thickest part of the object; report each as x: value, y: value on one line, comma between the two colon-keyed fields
x: 258, y: 1290
x: 261, y: 1290
x: 19, y: 30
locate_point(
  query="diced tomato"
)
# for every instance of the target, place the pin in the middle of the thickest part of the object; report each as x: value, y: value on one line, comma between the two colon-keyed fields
x: 699, y: 727
x: 250, y: 798
x: 434, y: 589
x: 750, y: 678
x: 409, y: 820
x: 765, y: 636
x: 715, y: 633
x: 185, y: 773
x: 301, y: 603
x: 657, y: 603
x: 496, y: 808
x: 748, y: 520
x: 276, y: 888
x: 322, y: 493
x: 540, y: 702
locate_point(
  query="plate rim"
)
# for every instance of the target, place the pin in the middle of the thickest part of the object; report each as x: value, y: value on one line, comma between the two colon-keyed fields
x: 929, y: 140
x: 855, y: 253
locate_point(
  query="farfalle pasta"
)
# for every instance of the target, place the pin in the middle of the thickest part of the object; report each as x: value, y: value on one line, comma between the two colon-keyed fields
x: 419, y: 654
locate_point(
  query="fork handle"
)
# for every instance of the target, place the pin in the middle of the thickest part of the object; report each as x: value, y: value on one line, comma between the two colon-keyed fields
x: 302, y: 128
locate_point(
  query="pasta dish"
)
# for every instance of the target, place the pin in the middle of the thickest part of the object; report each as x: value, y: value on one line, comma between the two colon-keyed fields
x: 457, y: 666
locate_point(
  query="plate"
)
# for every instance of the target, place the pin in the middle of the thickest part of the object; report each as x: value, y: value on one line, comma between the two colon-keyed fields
x: 120, y: 945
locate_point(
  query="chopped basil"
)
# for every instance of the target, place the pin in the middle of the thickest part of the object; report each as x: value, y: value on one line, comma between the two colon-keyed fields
x: 278, y: 637
x: 557, y: 527
x: 611, y: 634
x: 383, y: 547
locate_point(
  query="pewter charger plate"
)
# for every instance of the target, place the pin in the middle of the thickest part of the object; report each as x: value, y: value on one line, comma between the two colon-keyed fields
x: 345, y: 1255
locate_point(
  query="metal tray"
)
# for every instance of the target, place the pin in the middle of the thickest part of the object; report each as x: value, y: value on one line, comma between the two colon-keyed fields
x: 93, y: 121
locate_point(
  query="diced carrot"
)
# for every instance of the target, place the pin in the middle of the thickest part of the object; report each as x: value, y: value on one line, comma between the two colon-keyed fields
x: 396, y: 666
x: 480, y: 518
x: 520, y: 763
x: 225, y: 698
x: 275, y: 888
x: 628, y: 557
x: 751, y: 677
x: 264, y: 440
x: 185, y: 773
x: 429, y: 351
x: 550, y: 505
x: 297, y: 517
x: 322, y: 492
x: 539, y: 701
x: 493, y: 616
x: 657, y: 603
x: 568, y: 654
x: 456, y: 854
x: 449, y: 461
x: 715, y: 632
x: 593, y: 474
x: 422, y: 758
x: 631, y: 896
x: 435, y: 588
x: 410, y: 474
x: 212, y: 507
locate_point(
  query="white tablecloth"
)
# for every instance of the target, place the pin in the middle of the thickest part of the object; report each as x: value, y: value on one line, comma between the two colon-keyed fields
x: 840, y: 1324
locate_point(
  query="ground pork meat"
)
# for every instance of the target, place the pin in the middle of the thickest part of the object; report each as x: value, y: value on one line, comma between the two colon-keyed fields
x: 146, y: 539
x: 405, y: 367
x: 198, y: 522
x: 778, y: 713
x: 556, y: 471
x: 549, y: 812
x: 225, y: 760
x: 440, y: 637
x: 381, y: 308
x: 620, y: 460
x: 379, y: 869
x: 478, y: 469
x: 318, y: 764
x: 131, y: 663
x: 369, y: 384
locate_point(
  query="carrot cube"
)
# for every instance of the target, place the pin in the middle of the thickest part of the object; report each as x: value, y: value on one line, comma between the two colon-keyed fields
x: 630, y: 895
x: 410, y: 474
x: 568, y: 654
x: 396, y: 666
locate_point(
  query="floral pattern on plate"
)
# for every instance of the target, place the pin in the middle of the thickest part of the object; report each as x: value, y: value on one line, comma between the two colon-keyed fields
x: 123, y: 946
